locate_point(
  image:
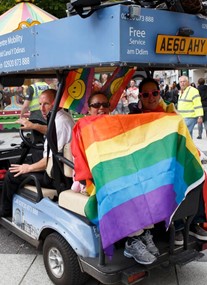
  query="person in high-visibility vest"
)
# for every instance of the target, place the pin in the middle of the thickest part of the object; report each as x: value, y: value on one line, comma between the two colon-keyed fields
x: 202, y: 88
x: 31, y: 102
x: 189, y: 104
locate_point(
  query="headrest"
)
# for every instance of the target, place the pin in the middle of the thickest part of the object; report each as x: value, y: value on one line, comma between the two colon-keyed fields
x: 68, y: 171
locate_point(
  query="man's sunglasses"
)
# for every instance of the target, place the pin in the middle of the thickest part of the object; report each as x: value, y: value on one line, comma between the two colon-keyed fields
x: 98, y: 105
x: 147, y: 94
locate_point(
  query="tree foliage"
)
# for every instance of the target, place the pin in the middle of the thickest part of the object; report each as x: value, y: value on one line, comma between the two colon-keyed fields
x: 54, y: 7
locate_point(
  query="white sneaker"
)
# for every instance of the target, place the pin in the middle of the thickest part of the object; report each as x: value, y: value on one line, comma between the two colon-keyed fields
x: 137, y: 249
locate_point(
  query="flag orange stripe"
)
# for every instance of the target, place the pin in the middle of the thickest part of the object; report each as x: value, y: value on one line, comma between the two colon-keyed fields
x: 111, y: 129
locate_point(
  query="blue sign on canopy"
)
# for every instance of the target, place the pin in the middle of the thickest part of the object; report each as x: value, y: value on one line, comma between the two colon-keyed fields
x: 108, y: 37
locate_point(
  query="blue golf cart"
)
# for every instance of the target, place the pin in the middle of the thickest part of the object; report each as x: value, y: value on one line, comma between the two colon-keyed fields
x: 105, y: 37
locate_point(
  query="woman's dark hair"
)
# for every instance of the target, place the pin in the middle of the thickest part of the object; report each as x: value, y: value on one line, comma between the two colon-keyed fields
x: 148, y: 80
x: 94, y: 94
x: 100, y: 77
x: 201, y: 81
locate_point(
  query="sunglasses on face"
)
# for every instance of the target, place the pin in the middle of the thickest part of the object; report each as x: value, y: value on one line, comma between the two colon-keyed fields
x: 147, y: 94
x: 98, y: 105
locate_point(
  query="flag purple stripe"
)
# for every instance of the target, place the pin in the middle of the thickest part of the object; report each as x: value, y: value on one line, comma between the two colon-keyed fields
x: 161, y: 202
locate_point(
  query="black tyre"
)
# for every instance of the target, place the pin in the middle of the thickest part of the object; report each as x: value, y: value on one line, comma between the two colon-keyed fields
x: 61, y: 262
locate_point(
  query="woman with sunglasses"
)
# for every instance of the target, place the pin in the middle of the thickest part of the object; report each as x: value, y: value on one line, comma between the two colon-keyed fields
x: 140, y: 245
x: 98, y: 104
x: 150, y: 99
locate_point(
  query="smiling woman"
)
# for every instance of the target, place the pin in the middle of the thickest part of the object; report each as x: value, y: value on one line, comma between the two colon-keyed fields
x: 150, y: 99
x: 98, y: 104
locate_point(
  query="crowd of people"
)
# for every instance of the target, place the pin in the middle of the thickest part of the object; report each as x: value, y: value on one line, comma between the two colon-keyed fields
x: 189, y: 99
x: 149, y: 96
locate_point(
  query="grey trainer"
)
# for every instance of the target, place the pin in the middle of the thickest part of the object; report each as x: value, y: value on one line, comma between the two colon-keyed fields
x: 198, y: 232
x: 148, y: 241
x: 137, y: 249
x: 179, y: 240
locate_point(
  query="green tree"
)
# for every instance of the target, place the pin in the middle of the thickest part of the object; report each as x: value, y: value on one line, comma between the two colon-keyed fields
x: 6, y: 5
x: 54, y: 7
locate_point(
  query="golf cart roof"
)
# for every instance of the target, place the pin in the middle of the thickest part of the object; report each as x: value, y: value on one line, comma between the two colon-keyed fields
x: 118, y: 35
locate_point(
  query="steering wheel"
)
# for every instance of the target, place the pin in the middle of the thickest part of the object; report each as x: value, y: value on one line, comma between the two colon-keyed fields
x: 33, y: 138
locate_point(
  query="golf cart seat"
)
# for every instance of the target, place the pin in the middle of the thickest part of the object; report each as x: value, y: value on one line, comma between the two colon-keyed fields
x: 37, y: 192
x: 73, y: 201
x: 46, y: 192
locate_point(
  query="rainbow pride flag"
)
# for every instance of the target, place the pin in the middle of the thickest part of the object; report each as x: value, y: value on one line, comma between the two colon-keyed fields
x: 78, y: 88
x: 142, y: 166
x: 116, y: 84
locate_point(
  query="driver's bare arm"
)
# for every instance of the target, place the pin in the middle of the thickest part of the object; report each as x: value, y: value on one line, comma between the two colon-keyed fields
x: 28, y: 125
x: 26, y: 168
x: 25, y: 108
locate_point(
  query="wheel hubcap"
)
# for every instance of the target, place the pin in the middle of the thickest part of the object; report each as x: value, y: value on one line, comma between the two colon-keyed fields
x: 56, y: 263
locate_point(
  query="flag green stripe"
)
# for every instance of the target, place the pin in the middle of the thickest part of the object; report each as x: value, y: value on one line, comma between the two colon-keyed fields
x: 148, y: 156
x: 91, y: 208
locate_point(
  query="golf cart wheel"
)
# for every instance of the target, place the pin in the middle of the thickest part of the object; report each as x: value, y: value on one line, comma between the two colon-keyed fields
x: 61, y: 262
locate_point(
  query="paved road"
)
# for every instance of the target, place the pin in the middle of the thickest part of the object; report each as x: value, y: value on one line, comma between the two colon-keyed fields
x: 22, y: 264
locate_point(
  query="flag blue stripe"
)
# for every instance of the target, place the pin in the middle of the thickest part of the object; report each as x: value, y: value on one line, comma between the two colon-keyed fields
x: 126, y: 188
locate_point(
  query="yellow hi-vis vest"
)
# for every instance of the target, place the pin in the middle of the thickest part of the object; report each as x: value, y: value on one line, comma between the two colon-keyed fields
x: 38, y: 87
x: 189, y: 103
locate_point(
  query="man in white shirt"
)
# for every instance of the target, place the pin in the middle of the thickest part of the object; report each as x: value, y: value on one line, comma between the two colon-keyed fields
x: 132, y: 96
x: 18, y: 172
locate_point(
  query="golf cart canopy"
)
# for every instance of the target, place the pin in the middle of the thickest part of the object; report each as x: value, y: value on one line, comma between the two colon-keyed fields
x: 120, y: 35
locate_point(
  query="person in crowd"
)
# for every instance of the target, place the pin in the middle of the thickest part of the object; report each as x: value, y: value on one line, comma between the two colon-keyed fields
x: 174, y: 93
x: 202, y: 88
x: 189, y: 104
x: 132, y: 95
x: 103, y: 78
x: 162, y: 89
x: 31, y: 102
x: 167, y: 94
x: 17, y: 173
x: 96, y: 85
x: 122, y: 106
x: 177, y: 85
x: 193, y: 85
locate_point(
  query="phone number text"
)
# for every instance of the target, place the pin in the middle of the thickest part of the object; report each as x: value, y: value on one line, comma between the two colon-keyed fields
x: 16, y: 62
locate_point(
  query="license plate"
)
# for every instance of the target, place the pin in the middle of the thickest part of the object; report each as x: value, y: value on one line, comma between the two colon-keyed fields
x: 181, y: 45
